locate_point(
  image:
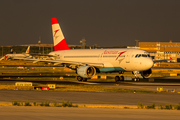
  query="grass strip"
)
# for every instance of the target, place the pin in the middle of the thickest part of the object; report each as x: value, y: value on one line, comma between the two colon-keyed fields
x: 75, y: 88
x: 69, y: 104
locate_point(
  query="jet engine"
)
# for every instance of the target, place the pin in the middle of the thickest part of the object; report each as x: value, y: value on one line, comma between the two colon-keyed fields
x: 146, y: 74
x: 86, y: 71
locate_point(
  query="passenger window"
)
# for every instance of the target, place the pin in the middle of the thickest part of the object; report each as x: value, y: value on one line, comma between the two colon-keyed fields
x: 136, y: 56
x: 139, y: 55
x: 144, y: 55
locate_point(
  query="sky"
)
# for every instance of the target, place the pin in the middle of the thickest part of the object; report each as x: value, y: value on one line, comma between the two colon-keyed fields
x: 101, y: 22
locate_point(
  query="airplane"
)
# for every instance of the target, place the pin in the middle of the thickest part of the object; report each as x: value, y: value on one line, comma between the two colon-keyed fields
x: 18, y: 55
x: 88, y: 62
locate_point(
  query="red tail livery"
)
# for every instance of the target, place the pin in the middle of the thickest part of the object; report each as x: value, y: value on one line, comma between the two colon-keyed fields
x: 58, y: 37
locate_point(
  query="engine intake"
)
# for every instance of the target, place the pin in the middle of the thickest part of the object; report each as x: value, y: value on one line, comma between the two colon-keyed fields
x: 86, y: 71
x: 146, y: 74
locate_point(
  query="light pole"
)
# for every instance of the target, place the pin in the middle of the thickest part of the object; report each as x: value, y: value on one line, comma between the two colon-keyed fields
x: 39, y: 42
x: 83, y: 42
x: 43, y: 49
x: 137, y: 41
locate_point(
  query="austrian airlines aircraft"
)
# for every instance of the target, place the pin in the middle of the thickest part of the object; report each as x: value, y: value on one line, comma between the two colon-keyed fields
x: 88, y: 62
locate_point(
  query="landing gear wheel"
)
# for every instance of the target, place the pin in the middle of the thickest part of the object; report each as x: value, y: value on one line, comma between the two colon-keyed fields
x: 121, y: 72
x: 117, y: 78
x: 84, y: 80
x: 136, y: 79
x: 121, y: 78
x: 79, y: 78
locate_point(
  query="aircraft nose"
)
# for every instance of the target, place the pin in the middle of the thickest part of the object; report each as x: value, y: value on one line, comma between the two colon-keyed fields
x: 149, y: 63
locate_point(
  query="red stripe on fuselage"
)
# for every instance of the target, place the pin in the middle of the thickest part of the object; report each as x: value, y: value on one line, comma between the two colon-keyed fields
x: 120, y: 54
x: 61, y: 46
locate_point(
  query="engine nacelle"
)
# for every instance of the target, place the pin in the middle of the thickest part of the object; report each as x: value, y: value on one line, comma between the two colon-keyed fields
x: 146, y: 74
x: 86, y: 71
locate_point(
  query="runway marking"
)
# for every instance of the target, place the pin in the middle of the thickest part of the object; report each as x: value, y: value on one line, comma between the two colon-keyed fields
x: 89, y: 83
x: 155, y: 83
x: 141, y: 88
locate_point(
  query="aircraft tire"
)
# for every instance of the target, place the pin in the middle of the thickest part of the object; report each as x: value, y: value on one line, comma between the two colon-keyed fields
x: 121, y: 72
x: 135, y: 79
x: 121, y: 78
x: 79, y: 78
x: 84, y: 80
x: 117, y: 78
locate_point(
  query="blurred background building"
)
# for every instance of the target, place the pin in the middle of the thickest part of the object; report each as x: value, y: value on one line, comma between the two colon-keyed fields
x: 161, y: 50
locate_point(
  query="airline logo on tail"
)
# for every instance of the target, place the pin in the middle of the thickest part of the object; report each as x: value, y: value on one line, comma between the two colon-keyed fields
x: 58, y: 37
x: 55, y: 32
x: 5, y: 57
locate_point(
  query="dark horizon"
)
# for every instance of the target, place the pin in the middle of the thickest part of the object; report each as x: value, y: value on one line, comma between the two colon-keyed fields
x: 101, y: 22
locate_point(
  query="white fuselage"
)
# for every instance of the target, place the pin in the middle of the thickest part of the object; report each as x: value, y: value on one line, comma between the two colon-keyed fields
x: 17, y: 55
x: 112, y: 59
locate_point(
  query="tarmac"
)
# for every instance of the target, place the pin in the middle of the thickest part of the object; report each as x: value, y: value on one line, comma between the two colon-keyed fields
x: 92, y: 98
x: 58, y: 113
x: 96, y: 98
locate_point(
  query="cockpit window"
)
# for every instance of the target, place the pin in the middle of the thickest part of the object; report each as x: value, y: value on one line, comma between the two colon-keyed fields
x: 142, y: 55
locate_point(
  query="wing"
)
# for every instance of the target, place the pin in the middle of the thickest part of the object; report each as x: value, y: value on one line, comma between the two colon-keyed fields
x: 65, y: 63
x: 46, y: 55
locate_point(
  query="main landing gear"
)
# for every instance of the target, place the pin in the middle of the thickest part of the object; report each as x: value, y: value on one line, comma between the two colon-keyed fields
x: 79, y: 78
x: 119, y: 78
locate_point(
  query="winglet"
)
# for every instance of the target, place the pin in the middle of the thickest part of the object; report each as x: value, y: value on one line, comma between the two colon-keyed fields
x: 170, y: 57
x: 58, y: 37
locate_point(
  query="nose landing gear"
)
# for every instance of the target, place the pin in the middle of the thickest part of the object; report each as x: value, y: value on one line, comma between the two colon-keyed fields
x: 136, y: 79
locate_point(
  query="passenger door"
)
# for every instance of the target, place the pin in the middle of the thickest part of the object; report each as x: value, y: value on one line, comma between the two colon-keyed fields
x: 128, y: 56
